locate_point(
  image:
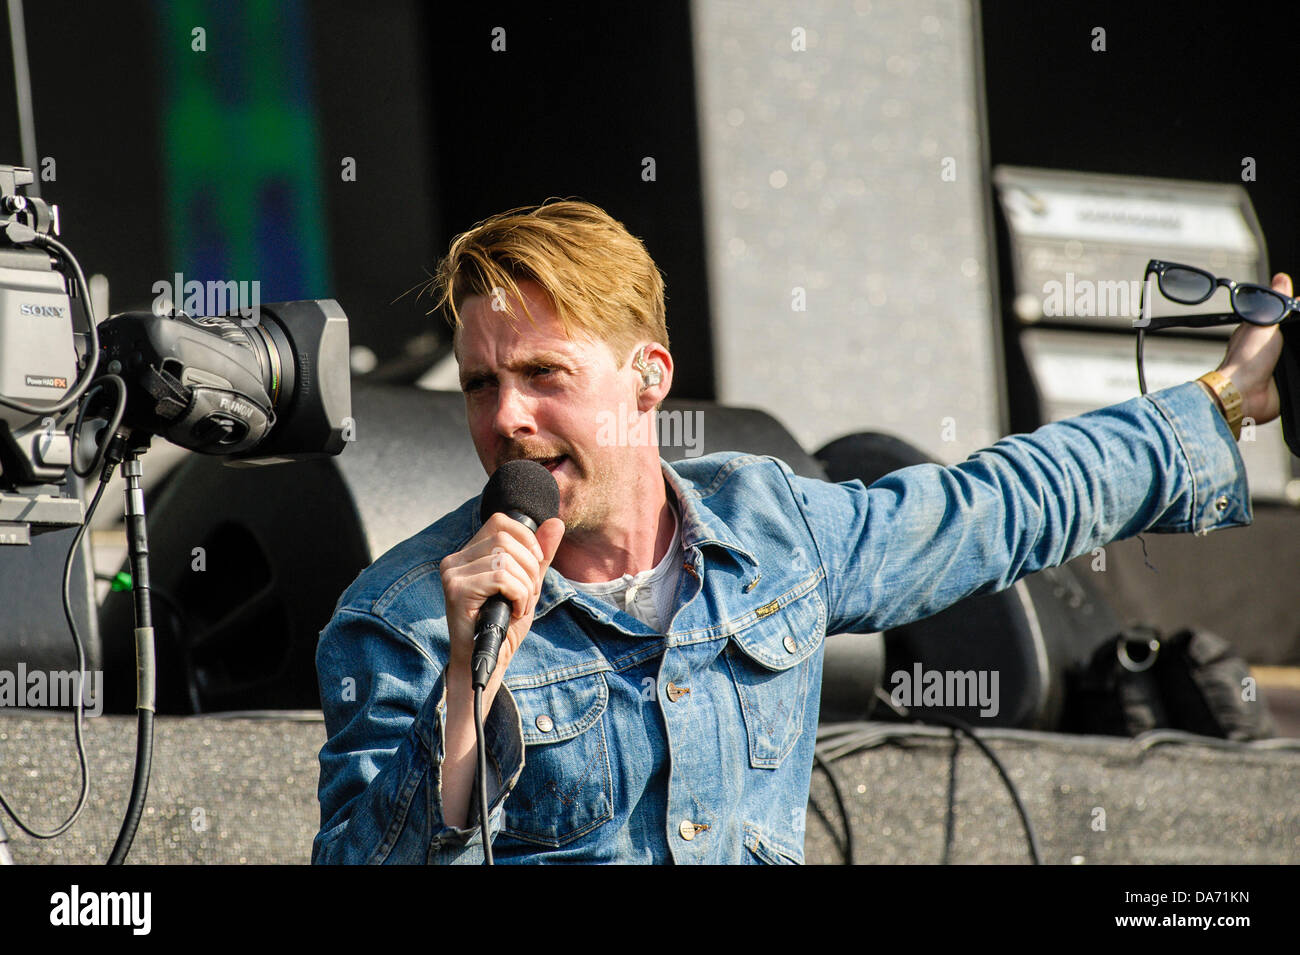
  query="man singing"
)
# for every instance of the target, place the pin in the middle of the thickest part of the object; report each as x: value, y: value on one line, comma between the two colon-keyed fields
x: 657, y: 697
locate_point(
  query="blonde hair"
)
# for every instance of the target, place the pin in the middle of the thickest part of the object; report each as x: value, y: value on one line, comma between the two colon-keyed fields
x: 599, y: 278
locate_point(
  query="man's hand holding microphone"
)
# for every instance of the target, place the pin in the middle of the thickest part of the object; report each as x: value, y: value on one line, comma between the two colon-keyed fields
x: 504, y: 559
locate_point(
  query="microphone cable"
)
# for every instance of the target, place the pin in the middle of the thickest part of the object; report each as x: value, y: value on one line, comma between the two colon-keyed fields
x: 482, y: 776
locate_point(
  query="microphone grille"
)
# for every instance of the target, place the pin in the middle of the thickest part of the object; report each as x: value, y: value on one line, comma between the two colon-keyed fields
x: 523, y: 486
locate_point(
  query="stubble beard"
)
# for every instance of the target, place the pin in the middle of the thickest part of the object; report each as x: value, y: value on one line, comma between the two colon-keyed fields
x: 589, y: 504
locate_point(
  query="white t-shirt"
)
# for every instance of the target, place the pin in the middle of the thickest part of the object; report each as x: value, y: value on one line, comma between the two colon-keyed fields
x: 650, y: 595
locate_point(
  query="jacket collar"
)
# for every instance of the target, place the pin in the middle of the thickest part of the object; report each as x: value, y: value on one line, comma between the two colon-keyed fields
x: 700, y: 524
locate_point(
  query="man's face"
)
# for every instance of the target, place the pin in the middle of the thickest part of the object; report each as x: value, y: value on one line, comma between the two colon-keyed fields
x: 531, y: 392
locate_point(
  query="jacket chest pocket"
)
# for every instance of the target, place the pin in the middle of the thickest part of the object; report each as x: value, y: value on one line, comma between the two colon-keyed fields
x: 565, y: 790
x: 771, y: 664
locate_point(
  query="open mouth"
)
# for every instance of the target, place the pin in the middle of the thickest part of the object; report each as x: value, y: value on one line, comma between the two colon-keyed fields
x: 552, y: 464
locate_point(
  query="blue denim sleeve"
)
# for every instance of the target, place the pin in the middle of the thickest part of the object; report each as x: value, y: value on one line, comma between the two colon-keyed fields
x: 920, y: 539
x: 380, y: 787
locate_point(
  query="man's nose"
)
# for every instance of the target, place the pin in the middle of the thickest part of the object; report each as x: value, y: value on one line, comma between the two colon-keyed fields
x: 514, y: 412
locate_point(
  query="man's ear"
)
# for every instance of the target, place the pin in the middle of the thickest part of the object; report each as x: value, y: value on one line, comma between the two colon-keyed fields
x: 655, y: 365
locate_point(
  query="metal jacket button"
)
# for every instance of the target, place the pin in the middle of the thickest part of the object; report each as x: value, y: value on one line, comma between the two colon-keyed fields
x: 676, y: 692
x: 545, y: 723
x: 790, y: 644
x: 689, y: 829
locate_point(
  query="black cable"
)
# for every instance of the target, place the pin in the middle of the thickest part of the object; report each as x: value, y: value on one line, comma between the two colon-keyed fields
x: 119, y: 409
x: 839, y: 740
x: 826, y: 822
x: 857, y: 740
x: 181, y: 643
x: 950, y: 818
x: 818, y: 760
x: 138, y: 548
x: 482, y: 776
x: 139, y: 787
x: 180, y: 640
x: 958, y: 725
x: 81, y: 671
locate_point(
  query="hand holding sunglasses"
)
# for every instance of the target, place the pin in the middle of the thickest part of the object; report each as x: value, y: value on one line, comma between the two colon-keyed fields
x: 1255, y: 346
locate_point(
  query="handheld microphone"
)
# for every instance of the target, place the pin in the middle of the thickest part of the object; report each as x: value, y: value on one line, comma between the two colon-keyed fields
x: 527, y: 492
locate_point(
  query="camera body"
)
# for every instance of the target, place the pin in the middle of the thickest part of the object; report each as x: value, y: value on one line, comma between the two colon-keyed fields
x: 37, y: 357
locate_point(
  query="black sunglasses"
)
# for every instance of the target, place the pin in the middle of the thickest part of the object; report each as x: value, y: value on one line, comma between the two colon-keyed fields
x: 1188, y: 285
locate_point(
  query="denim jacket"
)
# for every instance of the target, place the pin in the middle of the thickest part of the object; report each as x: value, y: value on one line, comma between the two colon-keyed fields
x: 611, y: 743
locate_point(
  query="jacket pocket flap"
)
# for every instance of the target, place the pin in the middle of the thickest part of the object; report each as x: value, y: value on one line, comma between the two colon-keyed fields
x: 560, y: 710
x: 768, y: 850
x: 784, y: 635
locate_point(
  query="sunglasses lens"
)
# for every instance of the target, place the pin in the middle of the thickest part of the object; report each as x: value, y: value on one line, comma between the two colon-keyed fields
x: 1184, y: 285
x: 1258, y: 305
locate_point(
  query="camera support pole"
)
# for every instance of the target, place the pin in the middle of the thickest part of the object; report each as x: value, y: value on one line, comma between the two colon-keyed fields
x: 23, y: 87
x: 128, y: 448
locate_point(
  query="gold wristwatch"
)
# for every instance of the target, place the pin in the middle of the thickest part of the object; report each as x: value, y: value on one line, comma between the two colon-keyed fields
x: 1230, y: 400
